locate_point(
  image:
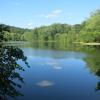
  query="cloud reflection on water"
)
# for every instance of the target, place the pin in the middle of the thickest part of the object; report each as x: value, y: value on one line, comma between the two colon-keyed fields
x: 54, y: 65
x: 45, y: 83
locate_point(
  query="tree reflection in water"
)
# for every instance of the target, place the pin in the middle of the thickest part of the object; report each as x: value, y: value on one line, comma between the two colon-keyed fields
x: 98, y: 84
x: 94, y: 65
x: 8, y: 65
x: 93, y: 62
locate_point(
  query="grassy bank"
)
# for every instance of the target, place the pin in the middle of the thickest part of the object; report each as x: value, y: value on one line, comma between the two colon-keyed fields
x: 91, y: 43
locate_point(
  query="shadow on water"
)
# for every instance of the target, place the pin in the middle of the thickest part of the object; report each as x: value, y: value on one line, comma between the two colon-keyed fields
x: 9, y: 56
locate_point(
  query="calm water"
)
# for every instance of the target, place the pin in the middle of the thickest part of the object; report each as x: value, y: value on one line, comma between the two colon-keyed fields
x: 59, y: 73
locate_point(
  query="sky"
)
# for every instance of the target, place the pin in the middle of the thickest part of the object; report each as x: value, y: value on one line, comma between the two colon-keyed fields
x: 34, y: 13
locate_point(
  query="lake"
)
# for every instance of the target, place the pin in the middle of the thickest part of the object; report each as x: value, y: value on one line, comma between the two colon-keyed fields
x: 54, y: 72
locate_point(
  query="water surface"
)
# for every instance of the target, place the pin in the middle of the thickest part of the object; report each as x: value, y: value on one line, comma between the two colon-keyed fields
x: 59, y: 72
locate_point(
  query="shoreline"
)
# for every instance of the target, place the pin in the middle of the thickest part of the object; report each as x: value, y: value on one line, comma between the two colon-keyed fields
x: 91, y: 43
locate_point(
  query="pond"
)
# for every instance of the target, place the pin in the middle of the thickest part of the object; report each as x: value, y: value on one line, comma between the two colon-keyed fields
x: 52, y: 72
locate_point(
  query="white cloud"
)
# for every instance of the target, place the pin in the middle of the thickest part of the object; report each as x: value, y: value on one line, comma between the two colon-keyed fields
x: 53, y: 14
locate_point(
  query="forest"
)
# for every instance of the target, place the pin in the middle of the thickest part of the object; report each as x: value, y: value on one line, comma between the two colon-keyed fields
x: 88, y: 31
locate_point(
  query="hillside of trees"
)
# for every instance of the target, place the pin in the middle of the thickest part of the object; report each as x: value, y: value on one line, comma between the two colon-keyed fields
x: 11, y: 33
x: 87, y: 31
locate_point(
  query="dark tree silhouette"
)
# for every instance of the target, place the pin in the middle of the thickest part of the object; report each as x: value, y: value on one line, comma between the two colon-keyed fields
x: 8, y: 74
x: 3, y: 28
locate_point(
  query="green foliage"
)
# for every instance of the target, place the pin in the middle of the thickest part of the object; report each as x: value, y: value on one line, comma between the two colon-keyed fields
x: 9, y: 67
x: 91, y: 30
x: 88, y: 31
x: 3, y: 29
x: 10, y: 33
x: 27, y: 36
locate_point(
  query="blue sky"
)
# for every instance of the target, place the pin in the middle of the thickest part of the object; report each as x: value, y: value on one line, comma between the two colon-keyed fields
x: 34, y: 13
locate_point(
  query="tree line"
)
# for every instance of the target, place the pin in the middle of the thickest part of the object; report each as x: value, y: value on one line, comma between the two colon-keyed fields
x: 87, y: 31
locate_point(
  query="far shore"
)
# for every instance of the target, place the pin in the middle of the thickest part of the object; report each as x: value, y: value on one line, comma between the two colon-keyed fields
x: 91, y: 43
x: 22, y: 42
